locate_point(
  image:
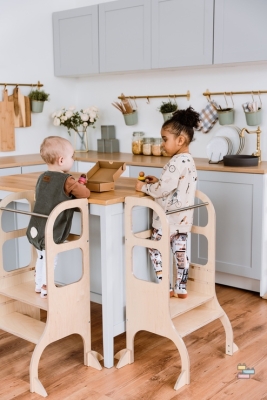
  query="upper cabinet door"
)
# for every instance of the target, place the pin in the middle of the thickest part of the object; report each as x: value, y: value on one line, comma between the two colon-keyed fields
x: 182, y: 33
x: 240, y: 33
x: 125, y: 35
x: 76, y: 41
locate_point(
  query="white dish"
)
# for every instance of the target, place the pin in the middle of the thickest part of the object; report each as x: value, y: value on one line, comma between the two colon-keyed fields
x: 217, y: 148
x: 232, y: 132
x: 242, y: 141
x: 230, y: 145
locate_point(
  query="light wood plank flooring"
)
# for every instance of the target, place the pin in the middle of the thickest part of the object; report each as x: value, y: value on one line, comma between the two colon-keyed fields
x: 157, y: 362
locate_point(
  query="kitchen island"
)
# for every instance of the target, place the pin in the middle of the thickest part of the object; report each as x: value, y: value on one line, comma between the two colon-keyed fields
x: 106, y: 226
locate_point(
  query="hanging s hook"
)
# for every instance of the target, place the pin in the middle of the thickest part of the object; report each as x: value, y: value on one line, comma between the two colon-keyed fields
x: 135, y: 102
x: 225, y: 100
x: 231, y: 94
x: 148, y: 101
x: 260, y: 98
x: 252, y: 96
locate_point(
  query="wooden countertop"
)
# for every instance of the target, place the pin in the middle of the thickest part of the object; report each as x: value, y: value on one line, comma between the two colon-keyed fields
x: 124, y: 187
x: 202, y: 164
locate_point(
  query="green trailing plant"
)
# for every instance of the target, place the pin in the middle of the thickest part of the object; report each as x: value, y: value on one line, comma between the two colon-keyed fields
x: 167, y: 107
x: 38, y: 95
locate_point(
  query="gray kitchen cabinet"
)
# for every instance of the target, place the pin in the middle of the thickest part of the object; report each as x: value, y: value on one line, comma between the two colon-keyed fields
x: 182, y: 33
x: 125, y: 35
x: 240, y: 33
x: 240, y: 205
x: 75, y: 34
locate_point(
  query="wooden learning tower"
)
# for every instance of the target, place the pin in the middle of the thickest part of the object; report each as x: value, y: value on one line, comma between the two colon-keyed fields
x: 68, y: 307
x: 148, y: 304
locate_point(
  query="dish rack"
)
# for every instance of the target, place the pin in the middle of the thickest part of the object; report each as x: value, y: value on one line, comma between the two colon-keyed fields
x: 227, y: 141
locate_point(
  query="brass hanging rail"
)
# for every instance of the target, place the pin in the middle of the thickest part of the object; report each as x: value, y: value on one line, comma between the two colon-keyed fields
x: 208, y: 93
x: 22, y: 84
x: 187, y: 95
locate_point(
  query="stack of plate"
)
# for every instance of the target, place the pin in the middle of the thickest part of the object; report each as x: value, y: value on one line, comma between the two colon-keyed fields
x: 225, y: 142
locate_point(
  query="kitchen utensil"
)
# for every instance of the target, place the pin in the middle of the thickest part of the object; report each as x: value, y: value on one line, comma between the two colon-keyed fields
x: 7, y: 130
x: 127, y: 105
x: 232, y: 133
x: 217, y: 148
x: 240, y: 161
x: 22, y: 109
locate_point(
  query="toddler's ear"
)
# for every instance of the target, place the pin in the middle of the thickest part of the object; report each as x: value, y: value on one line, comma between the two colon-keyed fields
x: 181, y: 139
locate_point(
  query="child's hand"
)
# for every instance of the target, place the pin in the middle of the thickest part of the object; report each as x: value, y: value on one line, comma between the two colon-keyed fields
x: 151, y: 179
x: 139, y: 185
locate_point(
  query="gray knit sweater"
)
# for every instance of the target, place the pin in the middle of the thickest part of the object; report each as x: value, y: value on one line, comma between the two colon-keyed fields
x: 49, y: 193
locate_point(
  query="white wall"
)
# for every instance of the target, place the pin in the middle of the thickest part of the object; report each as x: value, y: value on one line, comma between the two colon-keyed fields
x: 26, y: 49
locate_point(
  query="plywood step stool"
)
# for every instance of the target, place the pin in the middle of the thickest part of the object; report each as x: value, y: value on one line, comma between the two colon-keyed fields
x: 148, y: 305
x: 68, y: 307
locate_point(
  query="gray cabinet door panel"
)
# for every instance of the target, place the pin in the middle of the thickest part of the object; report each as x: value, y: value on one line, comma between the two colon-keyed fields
x: 125, y: 35
x: 237, y: 199
x: 240, y: 32
x: 76, y: 41
x: 182, y: 33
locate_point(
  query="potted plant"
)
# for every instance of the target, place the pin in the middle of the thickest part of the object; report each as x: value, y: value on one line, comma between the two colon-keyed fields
x: 38, y: 97
x: 167, y: 109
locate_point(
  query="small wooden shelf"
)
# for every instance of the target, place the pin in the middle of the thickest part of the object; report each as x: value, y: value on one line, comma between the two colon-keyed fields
x: 195, y: 319
x: 194, y: 299
x: 26, y: 294
x: 22, y: 326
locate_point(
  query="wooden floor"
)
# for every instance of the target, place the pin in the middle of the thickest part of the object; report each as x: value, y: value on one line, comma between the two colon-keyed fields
x: 157, y: 362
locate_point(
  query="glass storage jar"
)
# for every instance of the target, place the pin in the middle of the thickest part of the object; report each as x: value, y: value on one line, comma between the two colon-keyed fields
x: 137, y: 143
x: 156, y: 147
x: 147, y: 146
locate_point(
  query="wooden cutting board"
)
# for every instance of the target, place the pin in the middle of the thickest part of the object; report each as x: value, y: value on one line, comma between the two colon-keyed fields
x: 22, y: 109
x: 7, y: 130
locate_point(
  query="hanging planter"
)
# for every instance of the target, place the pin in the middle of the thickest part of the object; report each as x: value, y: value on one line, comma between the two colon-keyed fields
x: 37, y: 97
x: 128, y: 111
x: 167, y: 109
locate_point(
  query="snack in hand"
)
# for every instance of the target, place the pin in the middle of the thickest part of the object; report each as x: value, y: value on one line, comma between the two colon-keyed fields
x: 141, y: 176
x: 82, y: 179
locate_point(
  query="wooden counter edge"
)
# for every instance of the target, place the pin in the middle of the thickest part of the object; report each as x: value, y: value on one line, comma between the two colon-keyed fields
x: 202, y: 164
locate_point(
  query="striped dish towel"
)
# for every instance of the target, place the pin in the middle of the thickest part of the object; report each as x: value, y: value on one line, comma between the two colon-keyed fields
x: 208, y: 117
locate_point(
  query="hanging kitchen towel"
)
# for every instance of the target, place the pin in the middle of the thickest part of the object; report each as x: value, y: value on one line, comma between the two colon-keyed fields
x: 208, y: 117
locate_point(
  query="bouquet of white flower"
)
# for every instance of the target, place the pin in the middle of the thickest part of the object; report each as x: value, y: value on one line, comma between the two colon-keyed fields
x: 74, y: 119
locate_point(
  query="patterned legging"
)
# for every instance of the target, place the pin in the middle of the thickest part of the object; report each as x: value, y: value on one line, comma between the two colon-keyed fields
x: 178, y: 245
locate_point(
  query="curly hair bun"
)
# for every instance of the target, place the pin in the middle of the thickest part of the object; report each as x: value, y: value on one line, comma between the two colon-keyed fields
x: 188, y: 117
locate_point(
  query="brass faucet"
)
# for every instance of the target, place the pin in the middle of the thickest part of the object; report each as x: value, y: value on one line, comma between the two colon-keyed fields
x: 257, y: 153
